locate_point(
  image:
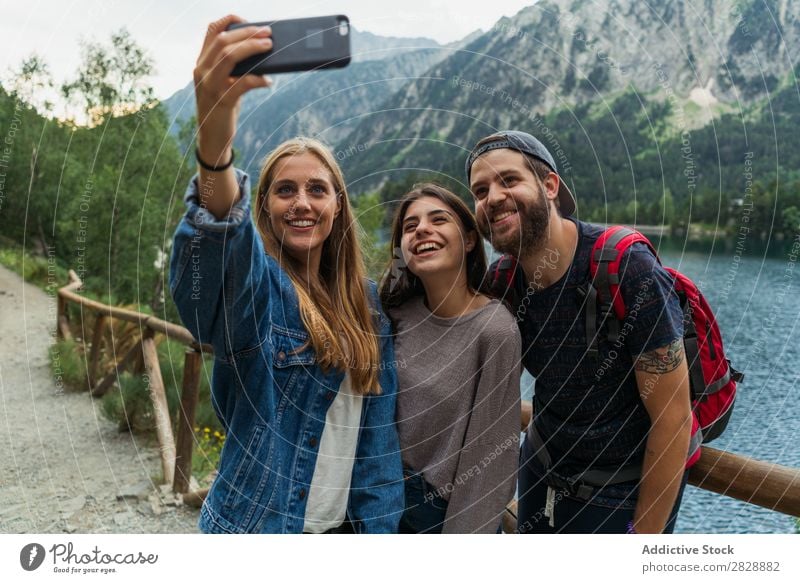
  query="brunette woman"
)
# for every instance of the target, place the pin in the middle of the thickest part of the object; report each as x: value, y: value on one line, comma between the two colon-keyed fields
x: 458, y: 409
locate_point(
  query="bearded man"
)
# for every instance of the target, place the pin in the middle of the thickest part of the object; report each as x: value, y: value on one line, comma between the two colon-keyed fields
x: 607, y: 445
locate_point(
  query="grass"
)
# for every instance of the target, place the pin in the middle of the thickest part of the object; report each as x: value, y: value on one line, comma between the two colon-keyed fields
x: 45, y: 272
x: 68, y: 366
x: 205, y: 457
x: 130, y: 406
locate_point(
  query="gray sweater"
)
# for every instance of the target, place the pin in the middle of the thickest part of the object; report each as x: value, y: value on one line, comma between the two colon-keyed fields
x: 459, y: 384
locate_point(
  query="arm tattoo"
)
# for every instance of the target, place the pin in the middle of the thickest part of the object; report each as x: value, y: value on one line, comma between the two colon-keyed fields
x: 661, y: 360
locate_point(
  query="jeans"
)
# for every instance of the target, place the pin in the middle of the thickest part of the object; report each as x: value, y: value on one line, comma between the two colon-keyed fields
x: 608, y: 512
x: 425, y: 509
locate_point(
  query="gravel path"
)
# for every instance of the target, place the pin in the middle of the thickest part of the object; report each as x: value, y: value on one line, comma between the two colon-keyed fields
x: 64, y: 467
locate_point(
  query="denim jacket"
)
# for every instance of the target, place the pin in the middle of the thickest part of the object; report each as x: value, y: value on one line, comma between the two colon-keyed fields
x: 272, y: 399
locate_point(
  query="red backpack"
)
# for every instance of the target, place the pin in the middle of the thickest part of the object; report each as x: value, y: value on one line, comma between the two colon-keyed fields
x: 712, y: 379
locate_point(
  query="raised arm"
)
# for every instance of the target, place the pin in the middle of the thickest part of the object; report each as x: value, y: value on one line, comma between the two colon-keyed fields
x: 218, y: 96
x: 218, y: 265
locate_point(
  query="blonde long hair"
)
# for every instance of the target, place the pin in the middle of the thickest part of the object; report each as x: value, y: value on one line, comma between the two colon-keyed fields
x: 335, y: 310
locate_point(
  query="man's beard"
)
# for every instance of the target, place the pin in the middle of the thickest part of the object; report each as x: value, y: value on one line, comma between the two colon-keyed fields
x: 534, y: 222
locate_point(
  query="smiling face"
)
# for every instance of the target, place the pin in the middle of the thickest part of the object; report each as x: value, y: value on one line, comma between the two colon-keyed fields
x: 433, y: 241
x: 303, y: 204
x: 512, y: 205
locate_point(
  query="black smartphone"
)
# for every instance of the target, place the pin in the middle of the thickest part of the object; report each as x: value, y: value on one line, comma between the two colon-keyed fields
x: 300, y: 44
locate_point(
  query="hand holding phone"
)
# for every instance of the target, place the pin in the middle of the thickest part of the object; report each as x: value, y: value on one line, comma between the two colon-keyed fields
x: 217, y: 94
x: 302, y: 44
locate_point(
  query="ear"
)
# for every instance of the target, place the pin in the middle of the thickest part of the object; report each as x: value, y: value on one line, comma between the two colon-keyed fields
x: 338, y: 205
x: 263, y: 205
x: 471, y: 241
x: 551, y: 183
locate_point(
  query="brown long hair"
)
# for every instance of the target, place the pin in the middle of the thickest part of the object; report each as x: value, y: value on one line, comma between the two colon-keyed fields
x: 398, y: 284
x: 335, y: 311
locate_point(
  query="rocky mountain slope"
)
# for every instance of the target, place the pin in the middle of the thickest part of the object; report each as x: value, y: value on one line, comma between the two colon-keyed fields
x: 325, y: 104
x: 701, y: 58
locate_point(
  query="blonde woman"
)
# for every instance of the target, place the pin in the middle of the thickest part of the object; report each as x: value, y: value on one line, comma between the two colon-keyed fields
x: 304, y: 381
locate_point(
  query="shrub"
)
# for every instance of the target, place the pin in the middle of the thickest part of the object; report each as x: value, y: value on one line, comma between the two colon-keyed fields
x: 68, y: 365
x: 35, y: 269
x: 208, y: 446
x: 130, y: 406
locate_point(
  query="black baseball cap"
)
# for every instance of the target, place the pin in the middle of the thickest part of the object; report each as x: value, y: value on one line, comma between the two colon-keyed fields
x: 526, y: 144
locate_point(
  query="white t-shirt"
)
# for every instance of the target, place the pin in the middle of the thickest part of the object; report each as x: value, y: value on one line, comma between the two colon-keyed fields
x: 330, y: 485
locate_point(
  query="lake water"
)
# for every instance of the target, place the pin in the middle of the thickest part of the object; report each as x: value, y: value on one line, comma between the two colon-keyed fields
x: 758, y: 307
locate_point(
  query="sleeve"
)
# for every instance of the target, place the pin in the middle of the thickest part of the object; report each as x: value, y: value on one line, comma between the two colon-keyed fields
x: 486, y: 475
x: 653, y: 316
x: 219, y: 273
x: 377, y: 491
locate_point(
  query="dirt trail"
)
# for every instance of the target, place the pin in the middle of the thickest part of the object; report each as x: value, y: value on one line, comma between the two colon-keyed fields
x: 64, y: 467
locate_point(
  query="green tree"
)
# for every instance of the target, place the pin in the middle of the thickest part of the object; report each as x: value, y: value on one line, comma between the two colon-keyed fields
x: 30, y: 168
x: 666, y: 210
x: 32, y: 83
x: 111, y: 79
x: 106, y: 197
x: 790, y: 218
x: 370, y: 214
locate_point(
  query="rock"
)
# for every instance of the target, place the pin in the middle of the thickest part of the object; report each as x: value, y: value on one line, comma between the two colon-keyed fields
x: 71, y: 506
x: 138, y: 491
x: 153, y: 505
x: 123, y: 518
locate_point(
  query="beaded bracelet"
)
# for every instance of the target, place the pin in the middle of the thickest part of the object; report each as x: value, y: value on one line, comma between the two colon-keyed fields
x: 211, y: 168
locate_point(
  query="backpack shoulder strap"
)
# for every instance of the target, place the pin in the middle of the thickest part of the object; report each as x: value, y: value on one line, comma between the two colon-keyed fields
x: 502, y: 279
x: 604, y: 265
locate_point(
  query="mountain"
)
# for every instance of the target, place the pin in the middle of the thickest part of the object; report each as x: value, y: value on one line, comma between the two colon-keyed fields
x: 325, y: 104
x: 607, y: 85
x: 659, y: 112
x: 366, y: 46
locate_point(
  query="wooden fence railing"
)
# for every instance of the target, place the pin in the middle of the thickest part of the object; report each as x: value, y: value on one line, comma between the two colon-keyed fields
x: 765, y: 484
x: 176, y: 455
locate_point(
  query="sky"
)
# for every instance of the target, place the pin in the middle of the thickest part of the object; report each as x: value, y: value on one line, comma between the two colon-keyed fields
x: 172, y: 32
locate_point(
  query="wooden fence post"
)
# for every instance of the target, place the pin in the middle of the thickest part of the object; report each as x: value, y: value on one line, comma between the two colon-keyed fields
x: 166, y: 441
x: 97, y: 341
x: 62, y: 320
x: 192, y: 367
